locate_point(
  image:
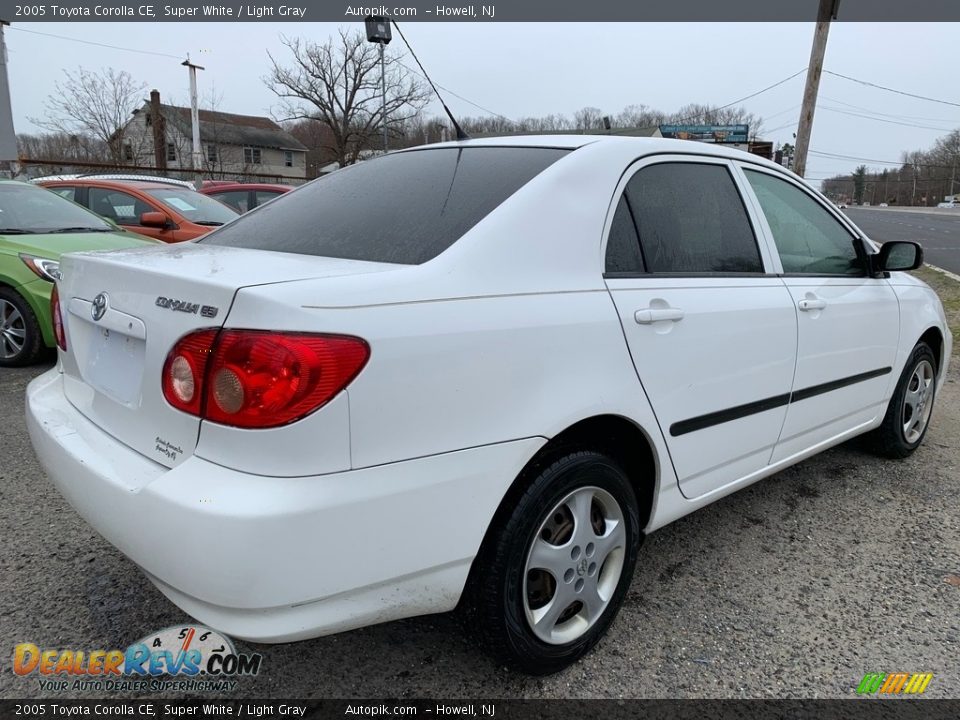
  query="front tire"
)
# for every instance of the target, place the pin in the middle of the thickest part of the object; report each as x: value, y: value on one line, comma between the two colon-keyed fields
x: 556, y: 566
x: 21, y: 341
x: 908, y: 414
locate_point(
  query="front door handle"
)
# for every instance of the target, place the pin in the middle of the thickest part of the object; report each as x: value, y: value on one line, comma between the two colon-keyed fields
x: 815, y: 304
x: 652, y: 315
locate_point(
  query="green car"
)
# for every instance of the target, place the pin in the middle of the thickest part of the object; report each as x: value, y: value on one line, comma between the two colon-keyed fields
x: 36, y: 228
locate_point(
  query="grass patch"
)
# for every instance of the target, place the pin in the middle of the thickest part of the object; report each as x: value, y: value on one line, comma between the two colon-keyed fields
x: 949, y: 291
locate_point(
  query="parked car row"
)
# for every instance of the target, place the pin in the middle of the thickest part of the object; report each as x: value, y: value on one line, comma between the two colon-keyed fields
x: 38, y: 225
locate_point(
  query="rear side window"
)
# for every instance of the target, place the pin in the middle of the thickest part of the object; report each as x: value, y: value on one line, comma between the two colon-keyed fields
x: 623, y: 246
x: 405, y: 208
x: 691, y: 219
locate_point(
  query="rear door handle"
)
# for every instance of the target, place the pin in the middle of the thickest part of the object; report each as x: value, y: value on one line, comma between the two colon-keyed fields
x: 807, y: 305
x: 652, y: 315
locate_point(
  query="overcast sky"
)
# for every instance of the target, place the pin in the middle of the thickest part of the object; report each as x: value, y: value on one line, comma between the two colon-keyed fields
x: 541, y: 68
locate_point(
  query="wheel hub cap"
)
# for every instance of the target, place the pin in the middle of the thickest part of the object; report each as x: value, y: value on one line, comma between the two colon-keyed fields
x: 574, y: 565
x: 917, y: 405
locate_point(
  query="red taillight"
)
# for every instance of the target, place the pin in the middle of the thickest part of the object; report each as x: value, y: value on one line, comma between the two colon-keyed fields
x: 259, y: 379
x: 58, y: 331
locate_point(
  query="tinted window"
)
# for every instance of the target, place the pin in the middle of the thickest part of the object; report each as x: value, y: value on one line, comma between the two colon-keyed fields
x: 193, y: 206
x: 237, y: 199
x: 691, y: 219
x: 623, y: 245
x: 808, y: 238
x: 402, y: 208
x: 68, y: 193
x: 30, y: 209
x: 119, y: 206
x: 264, y: 196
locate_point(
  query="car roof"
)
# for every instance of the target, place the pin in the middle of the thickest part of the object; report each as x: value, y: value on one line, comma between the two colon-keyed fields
x: 115, y: 184
x: 230, y: 187
x: 637, y: 146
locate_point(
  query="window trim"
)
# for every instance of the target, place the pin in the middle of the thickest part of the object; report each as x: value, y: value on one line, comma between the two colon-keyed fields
x: 760, y: 240
x: 862, y: 244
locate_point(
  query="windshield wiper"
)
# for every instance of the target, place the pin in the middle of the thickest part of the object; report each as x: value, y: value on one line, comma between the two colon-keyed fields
x: 78, y: 230
x: 208, y: 222
x: 17, y: 231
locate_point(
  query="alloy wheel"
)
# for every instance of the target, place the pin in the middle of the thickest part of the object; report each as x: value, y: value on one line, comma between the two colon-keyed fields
x: 574, y: 565
x: 917, y: 402
x: 13, y: 330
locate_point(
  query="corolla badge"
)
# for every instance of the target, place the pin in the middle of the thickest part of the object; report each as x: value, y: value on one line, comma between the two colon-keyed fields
x: 99, y: 306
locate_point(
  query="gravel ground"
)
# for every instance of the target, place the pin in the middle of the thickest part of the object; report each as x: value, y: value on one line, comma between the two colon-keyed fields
x: 795, y: 587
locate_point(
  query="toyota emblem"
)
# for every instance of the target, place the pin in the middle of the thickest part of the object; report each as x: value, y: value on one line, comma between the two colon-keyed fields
x: 99, y: 306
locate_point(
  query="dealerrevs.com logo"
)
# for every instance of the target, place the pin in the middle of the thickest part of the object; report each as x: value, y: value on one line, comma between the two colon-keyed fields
x: 180, y: 658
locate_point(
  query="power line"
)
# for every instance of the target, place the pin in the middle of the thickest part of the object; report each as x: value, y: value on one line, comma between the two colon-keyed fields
x: 898, y: 92
x: 837, y: 156
x: 890, y: 115
x: 451, y: 92
x: 103, y: 45
x: 715, y: 109
x: 876, y: 119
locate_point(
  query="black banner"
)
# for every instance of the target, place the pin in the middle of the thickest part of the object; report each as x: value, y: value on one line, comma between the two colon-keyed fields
x: 542, y: 11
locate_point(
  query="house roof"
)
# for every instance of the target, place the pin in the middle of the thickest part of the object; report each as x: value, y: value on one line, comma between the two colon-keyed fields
x: 231, y: 129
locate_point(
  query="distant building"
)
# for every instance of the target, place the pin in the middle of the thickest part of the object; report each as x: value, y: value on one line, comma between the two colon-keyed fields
x: 233, y: 145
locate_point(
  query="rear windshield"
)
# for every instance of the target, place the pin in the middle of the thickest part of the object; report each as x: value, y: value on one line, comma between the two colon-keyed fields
x: 405, y: 208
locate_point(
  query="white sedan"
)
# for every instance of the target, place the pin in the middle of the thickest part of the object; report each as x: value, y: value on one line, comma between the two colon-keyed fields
x: 475, y: 373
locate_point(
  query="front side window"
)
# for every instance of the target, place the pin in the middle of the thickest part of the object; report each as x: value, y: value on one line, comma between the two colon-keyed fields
x: 809, y: 240
x: 288, y: 158
x: 239, y: 200
x: 120, y: 207
x: 691, y: 219
x: 251, y: 156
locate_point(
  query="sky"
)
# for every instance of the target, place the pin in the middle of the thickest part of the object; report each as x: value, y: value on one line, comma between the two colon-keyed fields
x: 529, y: 69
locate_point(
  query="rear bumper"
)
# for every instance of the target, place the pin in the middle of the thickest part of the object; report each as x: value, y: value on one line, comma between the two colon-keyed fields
x: 276, y: 559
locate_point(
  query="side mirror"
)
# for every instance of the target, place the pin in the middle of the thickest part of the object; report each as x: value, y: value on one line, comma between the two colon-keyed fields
x: 899, y: 255
x: 154, y: 219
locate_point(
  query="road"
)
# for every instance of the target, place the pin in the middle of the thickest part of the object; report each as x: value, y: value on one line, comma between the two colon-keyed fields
x: 795, y: 587
x: 939, y: 233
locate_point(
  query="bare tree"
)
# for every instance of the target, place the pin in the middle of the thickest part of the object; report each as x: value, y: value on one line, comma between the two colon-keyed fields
x: 338, y: 83
x: 95, y: 103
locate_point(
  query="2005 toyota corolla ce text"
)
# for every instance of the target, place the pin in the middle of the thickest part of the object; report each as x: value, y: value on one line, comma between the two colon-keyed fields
x: 474, y: 373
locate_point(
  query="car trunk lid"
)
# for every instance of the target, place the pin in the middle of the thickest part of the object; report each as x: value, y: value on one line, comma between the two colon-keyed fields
x: 123, y: 312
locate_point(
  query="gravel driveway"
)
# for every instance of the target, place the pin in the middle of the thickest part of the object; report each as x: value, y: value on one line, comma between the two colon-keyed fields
x: 795, y: 587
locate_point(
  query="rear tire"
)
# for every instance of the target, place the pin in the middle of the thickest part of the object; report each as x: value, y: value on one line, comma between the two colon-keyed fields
x: 556, y: 565
x: 908, y: 414
x: 21, y: 341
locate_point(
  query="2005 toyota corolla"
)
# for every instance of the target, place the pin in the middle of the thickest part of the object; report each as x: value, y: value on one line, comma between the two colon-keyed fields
x: 472, y: 373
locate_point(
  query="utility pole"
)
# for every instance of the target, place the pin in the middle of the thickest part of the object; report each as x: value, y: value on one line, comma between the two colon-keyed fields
x: 197, y: 154
x: 9, y: 158
x: 826, y: 13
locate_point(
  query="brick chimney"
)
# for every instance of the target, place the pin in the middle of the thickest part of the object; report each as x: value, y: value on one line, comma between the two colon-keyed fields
x: 159, y: 131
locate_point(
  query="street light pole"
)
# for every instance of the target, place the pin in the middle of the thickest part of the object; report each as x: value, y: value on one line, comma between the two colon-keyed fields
x: 383, y: 103
x: 378, y: 31
x: 196, y: 154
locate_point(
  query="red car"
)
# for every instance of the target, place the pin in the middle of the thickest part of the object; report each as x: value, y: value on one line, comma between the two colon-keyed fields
x: 243, y: 197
